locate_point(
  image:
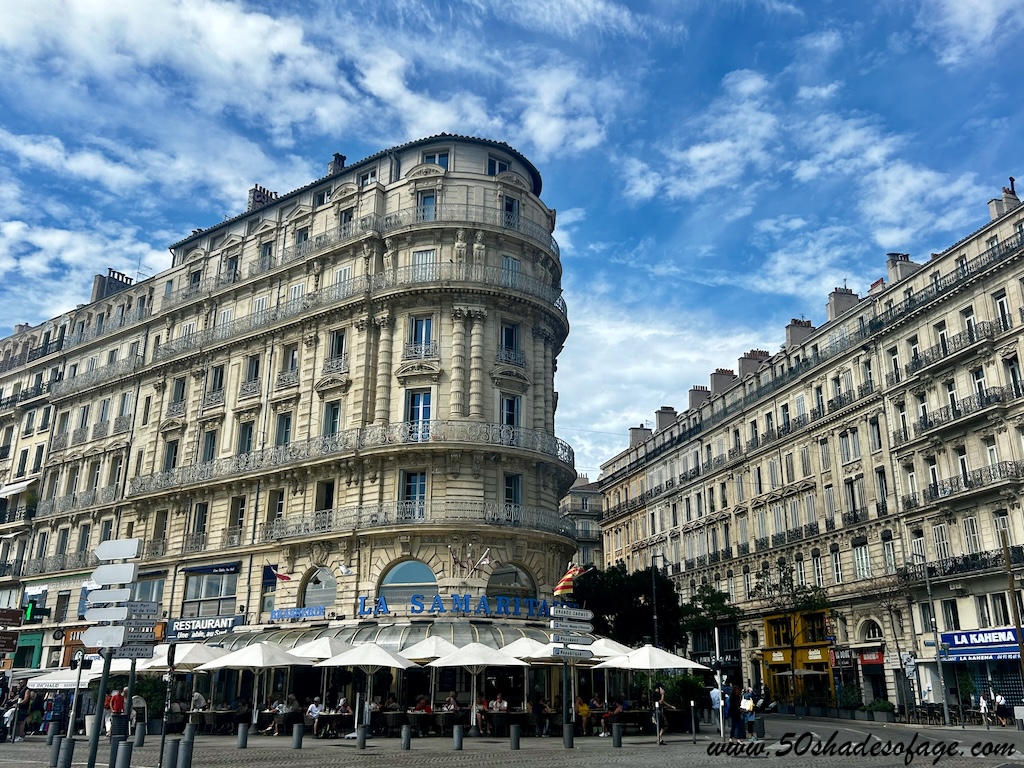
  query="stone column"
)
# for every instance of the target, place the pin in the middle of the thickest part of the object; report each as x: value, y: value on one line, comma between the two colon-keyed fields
x: 458, y: 407
x: 386, y: 326
x: 476, y: 365
x: 537, y: 390
x: 549, y: 385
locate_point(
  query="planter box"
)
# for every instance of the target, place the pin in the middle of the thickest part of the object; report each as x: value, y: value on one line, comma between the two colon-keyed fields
x: 832, y: 712
x: 862, y: 715
x: 786, y: 709
x: 847, y: 714
x: 818, y: 712
x: 803, y: 711
x: 154, y: 727
x: 884, y: 717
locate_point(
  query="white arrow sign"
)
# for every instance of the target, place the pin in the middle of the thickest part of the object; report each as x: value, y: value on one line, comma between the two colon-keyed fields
x: 118, y: 549
x: 572, y: 653
x: 121, y: 573
x: 101, y: 596
x: 562, y: 612
x: 113, y: 613
x: 103, y: 637
x: 574, y: 639
x: 571, y: 626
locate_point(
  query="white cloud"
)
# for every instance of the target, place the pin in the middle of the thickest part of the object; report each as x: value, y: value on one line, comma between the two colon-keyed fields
x: 964, y: 32
x: 818, y: 92
x: 573, y: 18
x: 565, y: 228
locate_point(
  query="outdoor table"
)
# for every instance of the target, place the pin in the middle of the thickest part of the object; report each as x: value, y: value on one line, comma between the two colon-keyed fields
x: 211, y: 720
x: 421, y: 722
x: 498, y: 721
x: 393, y: 722
x: 334, y: 724
x: 446, y: 721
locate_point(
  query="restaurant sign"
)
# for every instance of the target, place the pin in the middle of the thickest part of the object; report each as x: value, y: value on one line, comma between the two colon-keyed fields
x: 986, y: 645
x: 840, y: 657
x: 200, y: 628
x: 485, y: 605
x: 309, y: 612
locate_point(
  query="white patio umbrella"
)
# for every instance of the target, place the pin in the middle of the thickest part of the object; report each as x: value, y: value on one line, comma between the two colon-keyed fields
x: 369, y: 657
x: 320, y: 649
x: 187, y: 656
x: 64, y: 679
x: 256, y: 658
x: 649, y: 658
x: 523, y: 648
x: 434, y: 647
x: 605, y: 647
x: 475, y: 658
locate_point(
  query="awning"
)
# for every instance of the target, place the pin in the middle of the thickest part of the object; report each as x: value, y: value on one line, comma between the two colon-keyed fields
x: 218, y: 568
x: 12, y: 488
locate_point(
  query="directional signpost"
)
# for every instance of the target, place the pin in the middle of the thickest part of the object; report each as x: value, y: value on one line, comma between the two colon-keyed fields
x: 111, y: 605
x: 572, y: 620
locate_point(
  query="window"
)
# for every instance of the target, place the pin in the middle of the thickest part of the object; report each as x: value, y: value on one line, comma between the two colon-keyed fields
x: 862, y: 561
x: 819, y: 571
x: 801, y: 575
x: 418, y: 414
x: 981, y: 609
x: 513, y: 489
x: 496, y: 165
x: 332, y: 418
x: 323, y: 197
x: 209, y: 446
x: 290, y: 359
x: 367, y: 178
x: 826, y: 456
x: 245, y: 431
x: 950, y: 615
x: 420, y: 342
x: 511, y: 410
x: 178, y: 390
x: 414, y: 496
x: 972, y: 539
x: 283, y: 435
x: 209, y: 594
x: 510, y: 271
x: 837, y: 567
x: 252, y: 368
x: 940, y: 535
x: 336, y: 345
x: 426, y: 210
x: 236, y: 514
x: 926, y: 616
x: 170, y: 455
x: 830, y: 505
x: 217, y: 378
x: 508, y: 345
x: 1000, y: 610
x: 889, y: 555
x: 437, y: 158
x: 849, y: 446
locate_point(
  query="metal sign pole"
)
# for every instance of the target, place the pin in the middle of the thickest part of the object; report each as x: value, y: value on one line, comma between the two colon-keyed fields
x: 94, y: 737
x: 74, y: 697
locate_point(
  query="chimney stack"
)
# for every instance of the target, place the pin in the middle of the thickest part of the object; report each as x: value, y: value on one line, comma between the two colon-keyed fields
x: 999, y: 206
x: 337, y: 164
x: 900, y: 266
x: 664, y: 417
x: 638, y: 434
x: 840, y: 301
x: 797, y: 331
x: 698, y: 396
x: 721, y: 380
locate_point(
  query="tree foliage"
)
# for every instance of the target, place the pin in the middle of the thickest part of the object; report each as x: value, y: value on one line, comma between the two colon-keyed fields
x: 622, y: 603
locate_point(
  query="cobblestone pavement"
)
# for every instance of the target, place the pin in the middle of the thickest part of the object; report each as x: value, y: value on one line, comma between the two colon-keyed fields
x: 591, y: 752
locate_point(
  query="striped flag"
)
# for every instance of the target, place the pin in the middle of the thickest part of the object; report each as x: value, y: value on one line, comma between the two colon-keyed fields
x: 565, y: 584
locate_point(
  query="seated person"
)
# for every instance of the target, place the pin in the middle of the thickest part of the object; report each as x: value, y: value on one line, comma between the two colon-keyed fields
x: 422, y: 707
x: 481, y: 714
x: 243, y: 712
x: 294, y: 713
x: 611, y: 716
x: 343, y: 707
x: 541, y: 719
x: 582, y: 717
x: 390, y: 705
x: 499, y: 704
x: 313, y: 713
x: 451, y: 704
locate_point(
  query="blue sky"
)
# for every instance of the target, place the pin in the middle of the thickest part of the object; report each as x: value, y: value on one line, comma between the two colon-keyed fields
x: 717, y: 166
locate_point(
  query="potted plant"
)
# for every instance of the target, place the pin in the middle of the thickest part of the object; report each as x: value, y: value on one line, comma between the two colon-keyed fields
x: 883, y: 711
x: 153, y: 690
x: 863, y: 713
x: 850, y: 699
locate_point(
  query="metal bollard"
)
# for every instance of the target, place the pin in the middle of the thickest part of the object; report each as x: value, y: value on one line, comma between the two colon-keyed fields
x: 361, y: 736
x: 406, y: 737
x: 567, y: 734
x: 51, y: 730
x: 513, y: 736
x: 140, y: 734
x: 170, y: 753
x: 124, y: 755
x: 114, y: 742
x: 457, y: 737
x: 190, y: 732
x: 616, y: 734
x: 67, y: 752
x: 55, y: 749
x: 243, y: 735
x: 298, y: 729
x: 184, y: 754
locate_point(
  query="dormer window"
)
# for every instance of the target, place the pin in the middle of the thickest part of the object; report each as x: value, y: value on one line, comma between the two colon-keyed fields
x: 496, y: 165
x: 437, y: 158
x: 368, y: 178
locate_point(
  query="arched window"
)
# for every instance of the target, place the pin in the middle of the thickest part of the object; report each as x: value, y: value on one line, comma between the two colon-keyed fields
x: 871, y: 630
x: 321, y: 589
x: 407, y: 578
x: 511, y: 581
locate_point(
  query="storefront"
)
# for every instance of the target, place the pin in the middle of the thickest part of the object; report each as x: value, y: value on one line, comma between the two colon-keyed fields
x: 29, y: 654
x: 991, y: 657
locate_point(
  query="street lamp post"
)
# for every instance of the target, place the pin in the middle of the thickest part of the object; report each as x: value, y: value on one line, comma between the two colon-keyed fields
x: 654, y: 595
x: 1012, y: 586
x: 935, y: 635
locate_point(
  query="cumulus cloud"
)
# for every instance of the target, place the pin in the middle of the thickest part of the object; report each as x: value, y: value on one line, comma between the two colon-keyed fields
x: 961, y: 33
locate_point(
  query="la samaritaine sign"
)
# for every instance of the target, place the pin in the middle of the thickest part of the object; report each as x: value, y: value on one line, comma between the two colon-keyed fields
x: 528, y: 608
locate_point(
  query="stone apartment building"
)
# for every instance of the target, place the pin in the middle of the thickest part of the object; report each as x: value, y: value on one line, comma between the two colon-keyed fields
x: 351, y: 385
x: 886, y: 440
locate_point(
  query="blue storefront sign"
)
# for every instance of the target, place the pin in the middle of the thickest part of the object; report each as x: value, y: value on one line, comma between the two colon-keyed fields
x: 982, y: 645
x: 312, y: 612
x: 190, y: 630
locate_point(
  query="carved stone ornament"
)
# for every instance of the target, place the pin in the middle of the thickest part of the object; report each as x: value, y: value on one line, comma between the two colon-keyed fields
x: 319, y: 552
x: 310, y: 340
x: 418, y: 372
x: 249, y: 414
x: 511, y: 377
x: 332, y: 383
x: 198, y: 373
x: 160, y: 385
x: 172, y: 425
x: 425, y: 169
x: 514, y: 179
x: 284, y: 402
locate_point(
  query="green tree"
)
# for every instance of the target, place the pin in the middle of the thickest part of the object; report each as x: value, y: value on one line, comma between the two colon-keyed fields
x: 792, y: 605
x: 622, y: 604
x: 705, y: 610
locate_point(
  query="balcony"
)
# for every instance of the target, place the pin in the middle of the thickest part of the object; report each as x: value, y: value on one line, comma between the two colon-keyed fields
x: 43, y: 350
x: 22, y: 514
x: 213, y: 398
x: 726, y: 553
x: 97, y: 376
x: 899, y: 437
x: 286, y: 379
x: 100, y: 429
x: 794, y: 535
x: 966, y: 407
x: 363, y: 439
x: 122, y: 424
x: 417, y: 351
x: 430, y: 512
x: 811, y: 529
x: 855, y: 516
x: 152, y: 548
x: 778, y: 539
x: 881, y: 509
x: 60, y: 442
x: 511, y: 356
x: 337, y: 364
x: 175, y: 409
x: 910, y: 501
x: 194, y: 542
x: 973, y: 480
x: 11, y: 569
x: 830, y: 524
x: 233, y: 536
x: 743, y: 549
x: 249, y: 389
x: 761, y: 544
x: 73, y: 561
x: 983, y: 331
x: 129, y: 319
x: 992, y: 560
x: 865, y: 389
x: 12, y: 401
x: 80, y: 435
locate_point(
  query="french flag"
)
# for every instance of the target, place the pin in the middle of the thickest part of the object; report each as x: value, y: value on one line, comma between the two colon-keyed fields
x: 278, y: 575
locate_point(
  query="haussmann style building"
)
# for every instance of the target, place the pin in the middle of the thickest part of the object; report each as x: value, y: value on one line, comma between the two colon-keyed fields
x: 878, y: 455
x: 350, y: 385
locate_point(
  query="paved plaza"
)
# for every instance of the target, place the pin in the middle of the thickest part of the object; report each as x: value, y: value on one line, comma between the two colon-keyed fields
x: 592, y: 752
